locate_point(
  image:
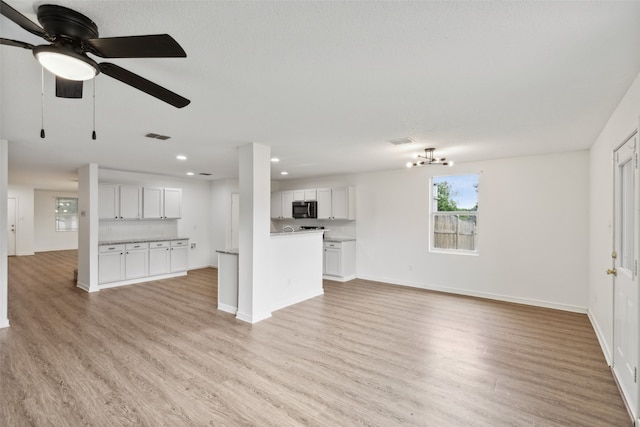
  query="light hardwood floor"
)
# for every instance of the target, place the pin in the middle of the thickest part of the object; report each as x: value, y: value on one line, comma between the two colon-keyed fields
x: 365, y: 353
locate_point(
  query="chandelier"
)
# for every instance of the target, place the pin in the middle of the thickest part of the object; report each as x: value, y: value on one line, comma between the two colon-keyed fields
x: 428, y: 158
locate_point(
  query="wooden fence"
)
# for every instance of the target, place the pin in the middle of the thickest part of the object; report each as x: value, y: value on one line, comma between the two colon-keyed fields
x: 455, y: 232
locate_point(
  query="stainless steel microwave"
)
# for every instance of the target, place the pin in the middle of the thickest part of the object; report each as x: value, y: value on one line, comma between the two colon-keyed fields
x: 305, y: 209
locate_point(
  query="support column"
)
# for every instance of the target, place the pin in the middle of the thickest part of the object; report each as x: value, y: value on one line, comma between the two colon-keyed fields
x: 254, y: 242
x: 88, y: 228
x: 4, y: 271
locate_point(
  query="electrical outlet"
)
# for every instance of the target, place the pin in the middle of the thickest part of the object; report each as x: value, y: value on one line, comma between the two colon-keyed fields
x: 193, y: 246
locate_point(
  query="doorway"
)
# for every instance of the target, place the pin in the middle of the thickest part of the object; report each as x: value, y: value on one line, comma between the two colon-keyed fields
x: 624, y: 271
x: 11, y: 226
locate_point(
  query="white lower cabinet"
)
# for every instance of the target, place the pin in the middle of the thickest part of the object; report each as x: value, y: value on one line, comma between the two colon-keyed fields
x: 136, y: 263
x: 340, y: 260
x: 159, y: 262
x: 179, y: 255
x: 111, y: 263
x: 143, y: 260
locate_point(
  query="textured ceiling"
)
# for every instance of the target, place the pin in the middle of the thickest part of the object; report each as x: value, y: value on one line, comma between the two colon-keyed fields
x: 326, y: 85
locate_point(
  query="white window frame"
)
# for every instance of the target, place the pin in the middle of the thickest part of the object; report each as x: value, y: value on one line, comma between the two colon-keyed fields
x: 68, y: 215
x: 433, y: 212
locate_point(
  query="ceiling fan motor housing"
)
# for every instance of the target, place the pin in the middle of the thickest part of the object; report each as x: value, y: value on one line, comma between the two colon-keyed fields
x: 59, y: 21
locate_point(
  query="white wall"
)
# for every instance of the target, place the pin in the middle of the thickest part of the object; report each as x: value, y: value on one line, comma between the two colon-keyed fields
x: 4, y: 171
x: 621, y: 124
x: 25, y: 227
x: 46, y: 238
x: 220, y: 206
x: 195, y: 222
x: 532, y: 230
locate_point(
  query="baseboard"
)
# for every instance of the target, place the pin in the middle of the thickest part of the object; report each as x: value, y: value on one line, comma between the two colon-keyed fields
x: 4, y: 323
x: 297, y: 298
x: 25, y: 253
x: 228, y: 308
x: 468, y: 292
x: 142, y: 280
x: 86, y: 287
x: 199, y: 267
x: 608, y: 354
x: 340, y: 279
x: 245, y: 317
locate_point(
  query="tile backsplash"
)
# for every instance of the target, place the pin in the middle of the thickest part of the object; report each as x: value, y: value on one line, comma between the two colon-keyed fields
x: 123, y: 229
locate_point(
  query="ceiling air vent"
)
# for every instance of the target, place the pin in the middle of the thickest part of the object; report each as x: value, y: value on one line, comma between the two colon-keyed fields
x: 401, y: 141
x: 157, y: 136
x: 204, y: 174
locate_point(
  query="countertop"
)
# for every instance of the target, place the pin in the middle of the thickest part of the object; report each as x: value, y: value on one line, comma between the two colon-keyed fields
x: 339, y: 239
x: 141, y: 240
x: 293, y: 233
x: 232, y: 251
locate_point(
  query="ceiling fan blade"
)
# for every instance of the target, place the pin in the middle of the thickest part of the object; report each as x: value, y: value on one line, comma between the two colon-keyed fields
x: 68, y: 88
x: 16, y: 43
x: 22, y: 20
x: 152, y: 46
x: 143, y: 84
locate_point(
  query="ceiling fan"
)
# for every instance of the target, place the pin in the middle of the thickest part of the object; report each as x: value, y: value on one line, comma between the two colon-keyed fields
x: 72, y: 35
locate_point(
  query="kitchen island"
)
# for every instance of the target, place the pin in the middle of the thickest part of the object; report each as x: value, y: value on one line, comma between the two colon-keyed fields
x: 296, y: 271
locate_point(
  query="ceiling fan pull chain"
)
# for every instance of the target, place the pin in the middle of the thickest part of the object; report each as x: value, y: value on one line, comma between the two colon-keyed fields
x: 93, y: 134
x: 42, y: 102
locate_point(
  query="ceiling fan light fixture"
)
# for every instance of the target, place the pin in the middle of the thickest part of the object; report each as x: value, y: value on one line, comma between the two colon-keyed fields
x: 66, y: 63
x: 428, y: 158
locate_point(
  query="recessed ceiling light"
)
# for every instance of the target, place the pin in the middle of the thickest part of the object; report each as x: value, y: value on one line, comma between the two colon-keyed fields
x: 275, y: 159
x: 284, y: 173
x: 190, y: 173
x: 181, y: 157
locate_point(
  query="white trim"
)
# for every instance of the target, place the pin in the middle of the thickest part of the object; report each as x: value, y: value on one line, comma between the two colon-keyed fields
x: 296, y: 299
x: 466, y: 292
x: 228, y: 308
x: 86, y: 288
x: 199, y: 267
x: 141, y: 280
x: 339, y: 278
x: 603, y: 343
x: 245, y: 317
x: 4, y: 323
x: 25, y: 253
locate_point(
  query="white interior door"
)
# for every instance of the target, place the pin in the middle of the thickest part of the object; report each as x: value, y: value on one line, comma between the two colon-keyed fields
x: 625, y: 334
x: 12, y: 226
x: 235, y: 219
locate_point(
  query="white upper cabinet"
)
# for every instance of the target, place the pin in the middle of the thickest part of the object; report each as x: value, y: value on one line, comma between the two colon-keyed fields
x: 130, y: 202
x: 152, y: 201
x: 276, y: 205
x: 333, y: 203
x: 108, y: 201
x: 173, y: 203
x: 119, y: 202
x: 282, y: 204
x: 343, y: 204
x: 336, y: 203
x: 162, y: 203
x: 287, y: 204
x: 324, y: 203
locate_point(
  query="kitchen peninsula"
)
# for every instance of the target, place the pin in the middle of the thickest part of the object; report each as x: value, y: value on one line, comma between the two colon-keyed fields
x: 296, y: 270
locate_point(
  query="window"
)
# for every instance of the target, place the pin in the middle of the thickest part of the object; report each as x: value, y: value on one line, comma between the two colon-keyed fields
x: 454, y: 213
x: 66, y: 214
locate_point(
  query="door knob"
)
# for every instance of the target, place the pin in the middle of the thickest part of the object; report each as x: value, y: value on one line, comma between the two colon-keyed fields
x: 612, y: 271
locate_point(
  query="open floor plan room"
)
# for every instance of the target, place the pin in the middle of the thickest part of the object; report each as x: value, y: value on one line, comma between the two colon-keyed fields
x: 364, y: 353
